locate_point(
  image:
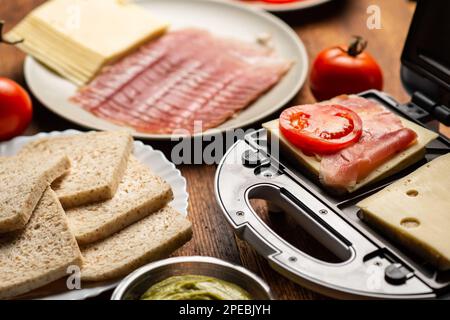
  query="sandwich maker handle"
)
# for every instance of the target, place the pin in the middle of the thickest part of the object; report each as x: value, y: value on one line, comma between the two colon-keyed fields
x: 361, y: 270
x: 308, y: 213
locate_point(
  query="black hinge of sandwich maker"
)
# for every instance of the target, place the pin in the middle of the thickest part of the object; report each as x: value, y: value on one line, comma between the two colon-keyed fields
x: 424, y: 109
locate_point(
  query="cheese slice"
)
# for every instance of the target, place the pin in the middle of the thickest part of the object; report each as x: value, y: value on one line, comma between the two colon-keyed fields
x: 415, y: 211
x: 401, y: 161
x: 63, y: 62
x: 77, y: 38
x: 51, y: 42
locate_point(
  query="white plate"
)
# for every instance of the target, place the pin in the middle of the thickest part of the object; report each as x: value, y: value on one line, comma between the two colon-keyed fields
x: 154, y: 159
x: 283, y: 7
x: 223, y: 18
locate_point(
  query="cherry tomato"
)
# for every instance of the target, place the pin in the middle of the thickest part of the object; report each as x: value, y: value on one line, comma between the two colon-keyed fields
x: 320, y: 129
x: 341, y: 70
x: 15, y: 109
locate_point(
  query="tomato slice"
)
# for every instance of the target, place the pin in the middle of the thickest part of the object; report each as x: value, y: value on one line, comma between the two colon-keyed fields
x: 320, y: 129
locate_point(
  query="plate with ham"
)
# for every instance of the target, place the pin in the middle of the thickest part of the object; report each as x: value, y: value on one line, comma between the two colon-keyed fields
x: 204, y: 75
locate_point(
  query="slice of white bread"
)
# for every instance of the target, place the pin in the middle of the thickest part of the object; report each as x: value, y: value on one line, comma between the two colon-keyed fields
x: 40, y: 253
x: 152, y: 238
x: 140, y: 193
x: 98, y: 159
x: 399, y: 162
x: 415, y: 211
x: 23, y: 180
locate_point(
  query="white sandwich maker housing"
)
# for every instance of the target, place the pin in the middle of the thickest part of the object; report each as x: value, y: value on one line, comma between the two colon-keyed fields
x: 370, y: 266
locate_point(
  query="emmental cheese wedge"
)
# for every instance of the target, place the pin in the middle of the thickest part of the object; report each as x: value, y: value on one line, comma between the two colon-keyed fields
x: 77, y: 38
x: 415, y: 211
x: 401, y: 161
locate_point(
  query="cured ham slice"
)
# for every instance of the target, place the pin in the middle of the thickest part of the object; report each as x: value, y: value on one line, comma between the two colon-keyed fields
x: 184, y: 77
x: 383, y: 137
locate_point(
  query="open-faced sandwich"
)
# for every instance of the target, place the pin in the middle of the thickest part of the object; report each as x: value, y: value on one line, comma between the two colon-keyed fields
x: 349, y: 141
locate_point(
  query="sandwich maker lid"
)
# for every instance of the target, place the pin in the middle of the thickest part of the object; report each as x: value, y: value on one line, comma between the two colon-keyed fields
x: 425, y: 68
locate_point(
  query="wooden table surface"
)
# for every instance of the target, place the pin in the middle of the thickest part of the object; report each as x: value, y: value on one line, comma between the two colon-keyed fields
x: 319, y: 27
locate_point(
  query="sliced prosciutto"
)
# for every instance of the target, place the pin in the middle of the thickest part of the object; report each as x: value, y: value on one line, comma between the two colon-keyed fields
x: 184, y: 80
x: 383, y: 137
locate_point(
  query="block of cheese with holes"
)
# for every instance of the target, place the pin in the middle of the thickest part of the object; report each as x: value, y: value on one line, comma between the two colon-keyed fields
x: 415, y: 211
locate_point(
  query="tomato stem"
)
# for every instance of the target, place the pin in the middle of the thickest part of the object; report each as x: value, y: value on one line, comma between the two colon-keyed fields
x: 2, y: 23
x: 357, y: 46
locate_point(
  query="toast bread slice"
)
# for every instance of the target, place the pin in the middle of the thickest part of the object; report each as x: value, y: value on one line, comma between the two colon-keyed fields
x: 140, y: 193
x: 98, y: 159
x: 152, y: 238
x: 23, y: 180
x: 40, y: 253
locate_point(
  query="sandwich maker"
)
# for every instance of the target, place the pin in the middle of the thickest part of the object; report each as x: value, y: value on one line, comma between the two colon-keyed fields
x: 370, y: 265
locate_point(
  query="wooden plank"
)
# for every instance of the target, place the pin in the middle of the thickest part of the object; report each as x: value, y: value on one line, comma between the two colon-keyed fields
x: 212, y: 234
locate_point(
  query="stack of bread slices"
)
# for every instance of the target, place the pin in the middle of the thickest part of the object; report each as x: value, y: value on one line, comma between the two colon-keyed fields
x: 81, y: 200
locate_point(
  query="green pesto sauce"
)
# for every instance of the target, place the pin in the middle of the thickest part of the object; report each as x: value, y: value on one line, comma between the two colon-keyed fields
x: 191, y: 287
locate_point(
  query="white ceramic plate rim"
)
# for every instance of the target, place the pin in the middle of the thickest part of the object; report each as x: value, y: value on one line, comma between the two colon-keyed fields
x: 150, y: 157
x: 301, y: 65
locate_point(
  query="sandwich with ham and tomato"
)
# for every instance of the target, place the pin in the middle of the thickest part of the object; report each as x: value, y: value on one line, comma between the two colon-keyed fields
x: 349, y: 141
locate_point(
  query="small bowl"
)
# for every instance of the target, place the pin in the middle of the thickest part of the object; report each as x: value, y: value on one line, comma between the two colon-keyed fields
x: 135, y: 284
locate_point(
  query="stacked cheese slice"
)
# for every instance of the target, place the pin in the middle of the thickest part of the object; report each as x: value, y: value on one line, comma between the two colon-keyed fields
x: 77, y: 38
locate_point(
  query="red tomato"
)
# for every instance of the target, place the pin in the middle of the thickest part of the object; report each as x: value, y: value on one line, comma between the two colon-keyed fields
x: 341, y: 70
x: 15, y: 109
x: 320, y: 129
